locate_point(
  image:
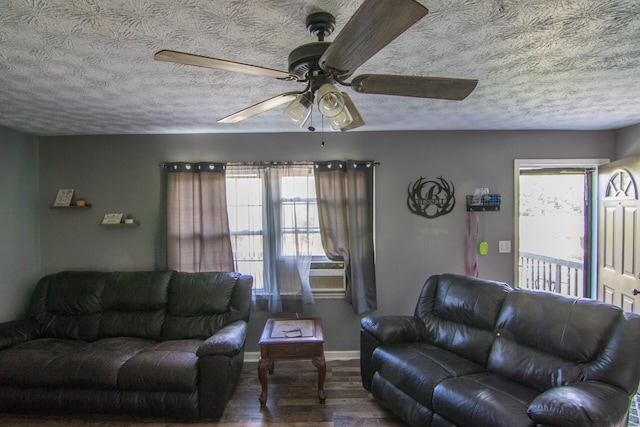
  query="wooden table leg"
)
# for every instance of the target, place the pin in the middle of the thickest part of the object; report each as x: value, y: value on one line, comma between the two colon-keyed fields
x: 322, y: 372
x: 263, y: 366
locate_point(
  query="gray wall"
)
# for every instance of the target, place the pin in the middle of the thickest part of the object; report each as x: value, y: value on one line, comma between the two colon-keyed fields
x: 628, y: 142
x: 19, y: 249
x: 121, y: 174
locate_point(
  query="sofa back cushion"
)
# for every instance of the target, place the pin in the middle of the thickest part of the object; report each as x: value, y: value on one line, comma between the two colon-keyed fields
x: 158, y: 305
x: 134, y: 304
x: 544, y: 339
x: 69, y: 304
x: 202, y: 303
x: 460, y: 312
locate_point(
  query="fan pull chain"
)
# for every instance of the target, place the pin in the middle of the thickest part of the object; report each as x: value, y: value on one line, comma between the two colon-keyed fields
x: 311, y: 128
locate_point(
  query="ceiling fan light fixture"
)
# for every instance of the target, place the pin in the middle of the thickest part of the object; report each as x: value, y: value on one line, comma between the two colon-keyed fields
x: 299, y: 109
x: 356, y: 117
x: 340, y: 120
x: 330, y: 100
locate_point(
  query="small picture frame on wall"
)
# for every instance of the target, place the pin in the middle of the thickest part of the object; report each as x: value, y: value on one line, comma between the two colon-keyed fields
x: 63, y: 198
x: 112, y: 218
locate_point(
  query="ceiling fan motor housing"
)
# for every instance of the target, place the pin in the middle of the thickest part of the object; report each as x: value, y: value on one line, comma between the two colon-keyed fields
x: 304, y: 59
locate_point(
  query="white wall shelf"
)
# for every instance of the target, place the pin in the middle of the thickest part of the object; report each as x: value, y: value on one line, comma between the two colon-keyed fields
x: 86, y: 206
x: 122, y: 224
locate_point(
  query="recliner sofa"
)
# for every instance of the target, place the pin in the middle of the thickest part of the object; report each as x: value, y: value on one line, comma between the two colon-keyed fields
x: 479, y: 353
x: 153, y: 343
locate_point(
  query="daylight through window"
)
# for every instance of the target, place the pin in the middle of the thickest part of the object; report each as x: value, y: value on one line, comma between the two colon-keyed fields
x: 296, y: 204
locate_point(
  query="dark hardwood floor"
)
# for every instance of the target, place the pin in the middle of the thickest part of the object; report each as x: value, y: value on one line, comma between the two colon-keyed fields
x: 292, y: 401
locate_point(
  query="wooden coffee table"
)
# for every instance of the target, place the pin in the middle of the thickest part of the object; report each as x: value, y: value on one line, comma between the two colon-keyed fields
x: 291, y: 339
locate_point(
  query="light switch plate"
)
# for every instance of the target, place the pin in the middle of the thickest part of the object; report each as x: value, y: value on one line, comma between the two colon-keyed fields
x: 504, y: 246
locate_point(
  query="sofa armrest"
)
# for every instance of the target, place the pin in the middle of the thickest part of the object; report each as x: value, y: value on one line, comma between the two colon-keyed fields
x: 228, y: 341
x: 377, y: 330
x: 589, y: 403
x: 18, y: 331
x: 393, y: 329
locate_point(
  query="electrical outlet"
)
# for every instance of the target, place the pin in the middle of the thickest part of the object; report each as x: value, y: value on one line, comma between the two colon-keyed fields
x: 504, y: 246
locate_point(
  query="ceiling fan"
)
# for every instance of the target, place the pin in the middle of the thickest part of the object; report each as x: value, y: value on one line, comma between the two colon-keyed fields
x: 321, y: 64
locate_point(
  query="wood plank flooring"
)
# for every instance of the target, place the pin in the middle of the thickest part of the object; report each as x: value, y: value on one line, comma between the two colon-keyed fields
x: 292, y: 402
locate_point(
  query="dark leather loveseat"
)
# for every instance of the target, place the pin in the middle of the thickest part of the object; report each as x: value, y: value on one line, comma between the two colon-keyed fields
x: 144, y: 343
x: 479, y: 353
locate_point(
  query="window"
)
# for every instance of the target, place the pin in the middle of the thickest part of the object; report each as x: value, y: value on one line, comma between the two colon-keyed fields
x: 244, y: 206
x: 300, y: 210
x: 300, y: 226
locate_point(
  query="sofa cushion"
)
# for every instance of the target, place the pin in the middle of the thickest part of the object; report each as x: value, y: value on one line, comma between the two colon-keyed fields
x: 73, y: 293
x: 134, y: 304
x: 459, y: 313
x: 76, y: 400
x: 400, y: 403
x: 167, y: 366
x: 484, y: 399
x: 159, y: 404
x: 198, y: 304
x: 571, y: 328
x: 527, y: 365
x: 545, y: 339
x: 53, y: 362
x: 69, y: 304
x: 417, y: 368
x: 197, y: 294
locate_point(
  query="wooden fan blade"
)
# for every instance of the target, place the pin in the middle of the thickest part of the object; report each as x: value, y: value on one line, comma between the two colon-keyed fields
x: 373, y: 26
x: 416, y: 86
x: 221, y: 64
x: 260, y: 107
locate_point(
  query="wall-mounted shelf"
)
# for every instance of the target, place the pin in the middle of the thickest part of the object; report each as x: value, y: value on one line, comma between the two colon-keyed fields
x: 86, y: 206
x: 122, y: 224
x: 488, y: 203
x: 482, y: 208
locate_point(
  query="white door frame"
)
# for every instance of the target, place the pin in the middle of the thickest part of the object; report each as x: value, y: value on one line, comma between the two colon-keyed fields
x: 551, y: 163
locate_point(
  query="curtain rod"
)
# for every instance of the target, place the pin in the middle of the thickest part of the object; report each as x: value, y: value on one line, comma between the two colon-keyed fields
x: 165, y: 164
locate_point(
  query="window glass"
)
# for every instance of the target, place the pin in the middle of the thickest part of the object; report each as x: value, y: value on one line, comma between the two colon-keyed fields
x: 299, y: 210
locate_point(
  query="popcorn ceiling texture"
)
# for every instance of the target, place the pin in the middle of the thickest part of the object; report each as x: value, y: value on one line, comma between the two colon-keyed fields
x: 87, y: 67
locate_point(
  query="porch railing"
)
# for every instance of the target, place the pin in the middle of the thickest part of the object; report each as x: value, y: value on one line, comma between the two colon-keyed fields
x: 551, y: 274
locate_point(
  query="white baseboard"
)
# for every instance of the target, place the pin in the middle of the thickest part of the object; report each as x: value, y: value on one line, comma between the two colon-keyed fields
x: 254, y: 356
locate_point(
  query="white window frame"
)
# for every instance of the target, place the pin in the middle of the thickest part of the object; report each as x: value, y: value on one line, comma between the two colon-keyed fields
x: 317, y: 259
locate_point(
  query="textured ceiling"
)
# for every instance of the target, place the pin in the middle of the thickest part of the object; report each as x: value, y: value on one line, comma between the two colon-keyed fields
x: 86, y: 66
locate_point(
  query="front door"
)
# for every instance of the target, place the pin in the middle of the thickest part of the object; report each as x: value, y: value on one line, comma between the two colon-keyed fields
x: 619, y: 225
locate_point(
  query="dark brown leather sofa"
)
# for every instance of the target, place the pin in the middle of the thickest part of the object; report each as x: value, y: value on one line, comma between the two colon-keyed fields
x: 479, y: 353
x: 162, y: 344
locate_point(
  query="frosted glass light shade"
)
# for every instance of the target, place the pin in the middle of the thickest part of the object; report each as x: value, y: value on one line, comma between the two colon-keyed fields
x: 330, y: 100
x: 299, y: 109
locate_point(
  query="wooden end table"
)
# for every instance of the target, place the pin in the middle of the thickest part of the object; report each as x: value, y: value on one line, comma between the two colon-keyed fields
x: 291, y: 339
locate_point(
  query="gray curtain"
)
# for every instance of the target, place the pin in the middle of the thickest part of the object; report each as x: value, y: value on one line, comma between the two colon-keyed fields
x: 345, y: 208
x: 198, y: 236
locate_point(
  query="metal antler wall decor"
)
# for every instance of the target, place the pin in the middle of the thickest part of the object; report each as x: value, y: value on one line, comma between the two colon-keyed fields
x: 431, y: 198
